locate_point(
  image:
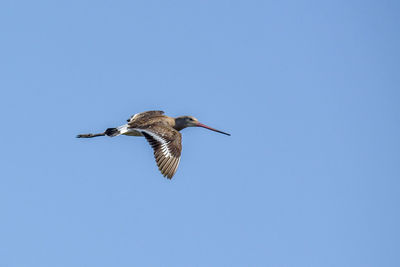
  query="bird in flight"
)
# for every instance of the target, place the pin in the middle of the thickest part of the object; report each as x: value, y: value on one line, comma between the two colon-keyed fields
x: 162, y: 133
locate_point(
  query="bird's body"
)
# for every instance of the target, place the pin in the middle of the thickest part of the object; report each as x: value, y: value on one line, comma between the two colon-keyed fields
x: 161, y: 131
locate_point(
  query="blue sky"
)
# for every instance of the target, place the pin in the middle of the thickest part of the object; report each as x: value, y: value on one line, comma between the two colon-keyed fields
x: 309, y: 91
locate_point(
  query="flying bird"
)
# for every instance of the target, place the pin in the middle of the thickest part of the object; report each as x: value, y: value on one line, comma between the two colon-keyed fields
x: 162, y: 133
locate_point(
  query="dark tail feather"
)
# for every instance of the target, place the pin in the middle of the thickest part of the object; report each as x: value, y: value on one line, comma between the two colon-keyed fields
x: 109, y: 132
x: 112, y: 132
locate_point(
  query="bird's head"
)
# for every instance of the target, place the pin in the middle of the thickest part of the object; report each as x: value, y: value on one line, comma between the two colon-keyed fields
x: 189, y: 121
x: 186, y: 121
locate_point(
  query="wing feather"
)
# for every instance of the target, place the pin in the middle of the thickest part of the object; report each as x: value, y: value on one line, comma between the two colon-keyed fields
x: 145, y: 114
x: 167, y: 146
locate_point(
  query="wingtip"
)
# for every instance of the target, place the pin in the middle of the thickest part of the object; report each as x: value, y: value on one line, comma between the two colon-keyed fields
x: 168, y: 176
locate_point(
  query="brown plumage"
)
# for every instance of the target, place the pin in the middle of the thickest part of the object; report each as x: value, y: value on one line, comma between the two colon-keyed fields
x: 162, y: 133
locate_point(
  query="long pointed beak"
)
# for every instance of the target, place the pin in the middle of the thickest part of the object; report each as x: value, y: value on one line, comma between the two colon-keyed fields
x: 209, y: 128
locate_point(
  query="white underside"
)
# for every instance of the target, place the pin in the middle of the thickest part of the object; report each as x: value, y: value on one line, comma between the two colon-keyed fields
x: 128, y: 131
x: 137, y: 132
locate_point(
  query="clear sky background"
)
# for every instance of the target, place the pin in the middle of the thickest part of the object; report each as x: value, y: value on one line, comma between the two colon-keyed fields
x: 309, y: 91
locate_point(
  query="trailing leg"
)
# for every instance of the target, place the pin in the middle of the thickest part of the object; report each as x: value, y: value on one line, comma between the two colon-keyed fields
x: 111, y: 132
x: 89, y: 135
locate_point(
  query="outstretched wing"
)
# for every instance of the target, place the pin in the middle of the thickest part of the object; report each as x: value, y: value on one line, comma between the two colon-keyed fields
x: 145, y: 114
x: 167, y: 146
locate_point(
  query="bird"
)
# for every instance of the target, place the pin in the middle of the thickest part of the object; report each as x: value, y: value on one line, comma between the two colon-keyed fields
x: 161, y: 132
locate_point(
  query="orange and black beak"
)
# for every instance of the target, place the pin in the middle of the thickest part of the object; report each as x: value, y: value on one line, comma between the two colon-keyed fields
x: 209, y: 128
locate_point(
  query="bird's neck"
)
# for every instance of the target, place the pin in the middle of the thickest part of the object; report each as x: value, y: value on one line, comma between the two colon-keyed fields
x: 179, y: 124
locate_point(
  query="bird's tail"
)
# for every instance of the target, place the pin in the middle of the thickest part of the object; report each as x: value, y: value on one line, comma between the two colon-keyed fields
x: 111, y: 132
